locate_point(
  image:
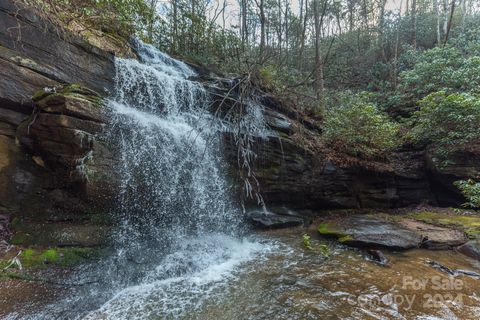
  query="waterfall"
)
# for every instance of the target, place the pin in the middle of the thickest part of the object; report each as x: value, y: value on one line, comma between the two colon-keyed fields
x: 171, y: 168
x: 179, y: 231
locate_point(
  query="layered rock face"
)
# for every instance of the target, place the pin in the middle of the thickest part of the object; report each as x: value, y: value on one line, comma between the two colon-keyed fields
x: 462, y: 164
x: 47, y: 143
x: 291, y: 172
x: 52, y: 160
x: 308, y: 180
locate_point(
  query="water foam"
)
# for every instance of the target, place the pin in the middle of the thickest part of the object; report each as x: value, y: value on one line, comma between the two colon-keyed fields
x: 209, y: 262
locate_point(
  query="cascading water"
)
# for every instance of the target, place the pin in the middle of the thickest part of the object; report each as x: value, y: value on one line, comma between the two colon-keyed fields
x: 172, y: 182
x: 179, y: 231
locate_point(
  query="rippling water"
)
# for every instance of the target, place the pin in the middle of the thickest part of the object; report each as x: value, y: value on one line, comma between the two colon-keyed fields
x: 272, y: 276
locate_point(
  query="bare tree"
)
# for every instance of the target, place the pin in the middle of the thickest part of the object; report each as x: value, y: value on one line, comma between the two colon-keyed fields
x: 319, y: 14
x: 437, y: 12
x: 414, y: 24
x: 449, y: 24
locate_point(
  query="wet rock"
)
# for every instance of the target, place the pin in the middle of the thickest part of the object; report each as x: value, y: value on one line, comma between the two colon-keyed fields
x: 378, y: 257
x: 71, y: 100
x: 4, y: 227
x: 453, y: 272
x: 289, y: 174
x: 471, y: 249
x: 370, y: 232
x: 48, y: 128
x: 268, y: 219
x: 435, y: 237
x: 462, y: 164
x: 60, y: 234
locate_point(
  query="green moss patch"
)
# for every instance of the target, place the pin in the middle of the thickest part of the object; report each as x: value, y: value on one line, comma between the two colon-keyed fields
x: 345, y: 239
x: 327, y: 229
x: 34, y: 258
x: 75, y: 91
x: 468, y: 223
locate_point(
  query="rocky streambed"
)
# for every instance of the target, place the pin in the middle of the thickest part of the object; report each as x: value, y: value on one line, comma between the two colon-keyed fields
x: 407, y: 264
x: 60, y: 179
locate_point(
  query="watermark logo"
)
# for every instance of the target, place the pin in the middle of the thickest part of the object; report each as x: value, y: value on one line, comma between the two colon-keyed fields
x: 431, y: 292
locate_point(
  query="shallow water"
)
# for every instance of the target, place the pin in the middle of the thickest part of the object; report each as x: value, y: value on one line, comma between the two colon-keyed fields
x: 270, y: 275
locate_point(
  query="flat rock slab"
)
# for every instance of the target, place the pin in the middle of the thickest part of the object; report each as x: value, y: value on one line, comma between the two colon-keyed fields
x: 60, y: 234
x: 270, y: 220
x: 435, y: 237
x: 471, y: 249
x: 371, y: 232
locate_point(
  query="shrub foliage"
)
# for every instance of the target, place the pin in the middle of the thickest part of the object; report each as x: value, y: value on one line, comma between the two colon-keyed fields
x: 359, y: 129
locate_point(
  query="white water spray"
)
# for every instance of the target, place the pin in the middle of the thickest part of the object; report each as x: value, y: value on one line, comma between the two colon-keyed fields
x: 178, y: 238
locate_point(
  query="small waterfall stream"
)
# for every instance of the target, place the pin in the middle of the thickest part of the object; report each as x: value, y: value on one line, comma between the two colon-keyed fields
x: 179, y: 231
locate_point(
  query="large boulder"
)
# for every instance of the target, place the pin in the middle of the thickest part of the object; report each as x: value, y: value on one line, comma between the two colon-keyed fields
x: 47, y: 143
x: 471, y: 249
x: 370, y: 232
x: 435, y: 237
x: 63, y: 136
x: 268, y: 219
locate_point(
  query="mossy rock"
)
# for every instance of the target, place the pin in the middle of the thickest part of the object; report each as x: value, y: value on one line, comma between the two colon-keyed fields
x: 70, y: 90
x: 470, y: 224
x: 86, y: 234
x: 370, y: 232
x: 328, y: 229
x: 38, y: 258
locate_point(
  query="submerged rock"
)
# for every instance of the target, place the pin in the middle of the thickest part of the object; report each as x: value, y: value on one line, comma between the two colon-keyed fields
x: 378, y: 257
x: 435, y: 237
x: 471, y: 249
x: 268, y: 219
x: 371, y: 232
x: 453, y: 272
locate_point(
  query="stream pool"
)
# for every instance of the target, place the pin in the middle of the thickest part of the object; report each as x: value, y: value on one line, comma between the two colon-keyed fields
x: 269, y: 275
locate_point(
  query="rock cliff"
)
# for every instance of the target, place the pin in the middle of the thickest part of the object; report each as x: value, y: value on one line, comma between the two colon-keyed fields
x: 53, y: 165
x: 46, y: 135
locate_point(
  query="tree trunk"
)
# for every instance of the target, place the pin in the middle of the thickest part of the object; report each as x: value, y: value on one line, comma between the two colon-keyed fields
x: 350, y: 15
x: 304, y: 31
x: 319, y: 77
x: 397, y: 43
x: 243, y: 26
x: 381, y: 26
x: 445, y: 17
x: 414, y: 24
x: 437, y: 12
x: 262, y: 28
x: 449, y: 25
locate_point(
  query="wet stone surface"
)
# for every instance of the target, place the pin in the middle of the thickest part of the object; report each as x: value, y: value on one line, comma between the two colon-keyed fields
x: 371, y: 232
x: 268, y: 219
